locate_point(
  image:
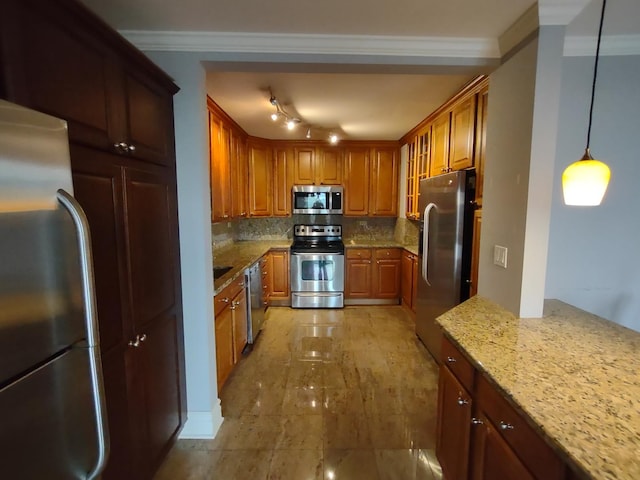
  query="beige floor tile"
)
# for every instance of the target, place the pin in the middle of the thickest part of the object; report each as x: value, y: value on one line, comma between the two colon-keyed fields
x: 397, y: 432
x: 343, y: 401
x: 240, y: 465
x: 252, y: 401
x: 345, y: 431
x: 188, y: 464
x: 350, y: 464
x: 404, y: 465
x: 248, y: 432
x: 303, y: 401
x: 343, y: 394
x: 296, y: 465
x: 300, y: 432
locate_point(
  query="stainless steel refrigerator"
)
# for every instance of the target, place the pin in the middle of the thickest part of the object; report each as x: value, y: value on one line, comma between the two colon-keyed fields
x: 446, y: 205
x: 52, y: 409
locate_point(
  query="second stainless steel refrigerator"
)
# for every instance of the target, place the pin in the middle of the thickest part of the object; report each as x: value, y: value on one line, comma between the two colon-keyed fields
x: 446, y: 206
x: 52, y: 407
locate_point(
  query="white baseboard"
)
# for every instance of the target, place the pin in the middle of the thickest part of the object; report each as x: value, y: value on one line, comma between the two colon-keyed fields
x: 201, y: 425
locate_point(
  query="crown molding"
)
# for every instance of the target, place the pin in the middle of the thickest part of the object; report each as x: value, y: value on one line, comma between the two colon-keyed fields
x: 232, y: 42
x: 612, y: 45
x: 559, y: 12
x: 521, y: 29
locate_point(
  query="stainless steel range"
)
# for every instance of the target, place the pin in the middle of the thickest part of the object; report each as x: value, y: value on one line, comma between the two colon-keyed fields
x: 317, y: 267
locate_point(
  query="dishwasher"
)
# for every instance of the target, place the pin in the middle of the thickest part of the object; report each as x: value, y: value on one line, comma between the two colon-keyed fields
x: 255, y: 310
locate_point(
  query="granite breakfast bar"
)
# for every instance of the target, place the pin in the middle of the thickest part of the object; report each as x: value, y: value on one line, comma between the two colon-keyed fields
x: 574, y: 378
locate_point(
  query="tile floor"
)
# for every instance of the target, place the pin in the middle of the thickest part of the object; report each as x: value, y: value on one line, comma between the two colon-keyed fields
x: 325, y: 394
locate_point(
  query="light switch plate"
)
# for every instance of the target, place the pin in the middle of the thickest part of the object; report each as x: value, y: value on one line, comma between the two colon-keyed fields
x: 500, y: 256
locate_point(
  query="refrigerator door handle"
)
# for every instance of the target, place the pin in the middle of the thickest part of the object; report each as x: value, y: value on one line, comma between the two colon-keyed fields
x: 91, y: 325
x: 425, y: 242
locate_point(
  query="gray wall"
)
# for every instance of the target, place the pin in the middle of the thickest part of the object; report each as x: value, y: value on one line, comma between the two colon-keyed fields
x: 522, y: 127
x: 594, y: 258
x: 508, y: 152
x: 194, y: 213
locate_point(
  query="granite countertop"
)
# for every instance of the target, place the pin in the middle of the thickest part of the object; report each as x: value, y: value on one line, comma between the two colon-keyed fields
x: 575, y: 375
x: 368, y: 243
x: 241, y: 255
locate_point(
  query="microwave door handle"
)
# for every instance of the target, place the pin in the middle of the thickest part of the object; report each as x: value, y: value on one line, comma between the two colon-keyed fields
x: 91, y: 325
x: 425, y: 242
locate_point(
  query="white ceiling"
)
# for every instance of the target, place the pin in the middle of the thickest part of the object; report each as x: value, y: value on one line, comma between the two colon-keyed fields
x: 370, y: 99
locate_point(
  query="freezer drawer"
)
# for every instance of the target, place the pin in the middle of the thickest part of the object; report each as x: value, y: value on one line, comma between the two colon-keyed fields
x: 50, y: 439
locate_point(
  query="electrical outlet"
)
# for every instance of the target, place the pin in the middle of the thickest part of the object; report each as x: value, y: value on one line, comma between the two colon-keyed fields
x: 500, y: 256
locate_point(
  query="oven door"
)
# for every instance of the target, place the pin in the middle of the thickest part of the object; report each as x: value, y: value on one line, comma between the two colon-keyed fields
x: 317, y: 272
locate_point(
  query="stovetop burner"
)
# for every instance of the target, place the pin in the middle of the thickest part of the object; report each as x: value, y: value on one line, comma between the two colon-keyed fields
x: 317, y: 239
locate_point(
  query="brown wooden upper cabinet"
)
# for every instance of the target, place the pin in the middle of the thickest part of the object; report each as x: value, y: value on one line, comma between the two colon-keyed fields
x: 260, y: 180
x: 106, y: 98
x: 383, y: 193
x: 440, y: 130
x: 282, y: 180
x: 356, y: 181
x: 371, y: 181
x: 228, y: 166
x: 452, y: 138
x: 219, y: 137
x: 481, y: 141
x: 317, y: 166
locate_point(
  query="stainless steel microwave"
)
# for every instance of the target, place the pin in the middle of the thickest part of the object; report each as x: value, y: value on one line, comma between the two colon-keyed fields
x: 312, y: 199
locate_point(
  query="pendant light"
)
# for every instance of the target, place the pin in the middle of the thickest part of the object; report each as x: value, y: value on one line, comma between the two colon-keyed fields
x: 585, y: 181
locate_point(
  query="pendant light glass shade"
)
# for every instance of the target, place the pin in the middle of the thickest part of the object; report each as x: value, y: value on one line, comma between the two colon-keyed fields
x: 585, y: 182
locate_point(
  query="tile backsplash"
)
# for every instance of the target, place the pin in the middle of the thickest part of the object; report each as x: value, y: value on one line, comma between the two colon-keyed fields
x: 400, y: 230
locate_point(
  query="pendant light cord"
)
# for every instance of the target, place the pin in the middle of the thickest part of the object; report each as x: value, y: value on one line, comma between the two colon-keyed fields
x: 595, y: 73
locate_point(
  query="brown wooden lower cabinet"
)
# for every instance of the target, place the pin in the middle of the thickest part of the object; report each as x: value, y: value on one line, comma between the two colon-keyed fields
x: 230, y: 308
x: 276, y: 277
x: 373, y: 275
x: 409, y: 281
x: 358, y: 274
x: 480, y: 435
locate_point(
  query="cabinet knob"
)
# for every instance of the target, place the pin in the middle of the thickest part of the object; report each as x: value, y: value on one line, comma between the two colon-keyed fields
x: 378, y: 262
x: 506, y: 426
x: 131, y: 148
x: 476, y: 421
x: 143, y: 337
x: 225, y: 300
x: 451, y: 360
x: 388, y: 253
x: 135, y: 343
x: 443, y: 170
x: 463, y: 401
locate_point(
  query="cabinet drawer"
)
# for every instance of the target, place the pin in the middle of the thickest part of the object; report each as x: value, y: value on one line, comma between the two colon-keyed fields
x: 358, y: 253
x: 534, y: 452
x: 457, y: 363
x: 223, y: 299
x: 390, y: 253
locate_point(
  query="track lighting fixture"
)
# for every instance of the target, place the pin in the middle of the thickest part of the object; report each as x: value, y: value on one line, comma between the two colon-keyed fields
x: 291, y: 122
x: 585, y: 182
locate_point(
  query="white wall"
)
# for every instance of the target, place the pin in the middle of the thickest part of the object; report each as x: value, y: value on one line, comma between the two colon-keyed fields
x: 194, y: 210
x: 594, y: 258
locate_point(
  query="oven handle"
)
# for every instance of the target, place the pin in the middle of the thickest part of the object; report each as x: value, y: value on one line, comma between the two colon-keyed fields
x: 317, y: 254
